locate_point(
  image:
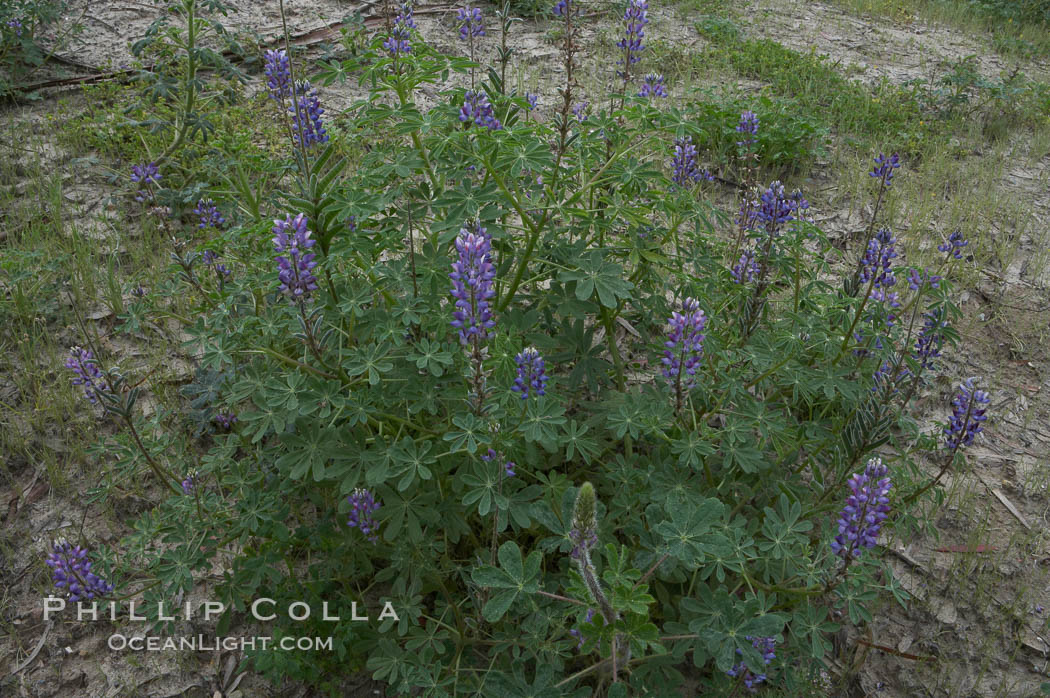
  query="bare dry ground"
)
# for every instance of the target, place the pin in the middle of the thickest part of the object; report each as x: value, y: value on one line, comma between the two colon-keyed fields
x: 982, y: 591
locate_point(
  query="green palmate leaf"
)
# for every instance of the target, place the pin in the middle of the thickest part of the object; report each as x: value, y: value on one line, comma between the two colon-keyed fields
x: 513, y: 577
x: 687, y: 532
x: 596, y: 274
x: 540, y: 424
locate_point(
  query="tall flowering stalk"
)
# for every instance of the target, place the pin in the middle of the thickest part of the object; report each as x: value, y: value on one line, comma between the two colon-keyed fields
x: 471, y: 26
x: 635, y: 17
x: 969, y: 408
x: 71, y: 573
x: 308, y: 124
x: 683, y: 349
x: 876, y: 271
x: 477, y: 110
x: 278, y: 70
x: 398, y: 42
x: 584, y: 537
x: 748, y: 128
x: 685, y: 167
x: 883, y: 171
x: 87, y: 374
x: 295, y: 264
x: 473, y: 287
x: 866, y: 508
x: 209, y: 214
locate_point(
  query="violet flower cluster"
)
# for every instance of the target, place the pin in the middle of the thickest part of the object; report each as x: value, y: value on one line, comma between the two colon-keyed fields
x: 226, y: 420
x: 968, y: 415
x: 931, y: 338
x: 532, y: 374
x: 882, y: 378
x: 684, y: 346
x: 209, y: 214
x: 653, y: 86
x: 470, y: 23
x: 532, y: 100
x: 291, y: 240
x: 278, y: 70
x: 685, y: 168
x: 363, y: 505
x: 564, y: 7
x: 15, y: 24
x: 578, y: 110
x: 399, y: 40
x: 476, y: 109
x: 473, y: 285
x: 210, y: 258
x: 71, y: 572
x: 954, y: 245
x: 866, y: 508
x: 145, y: 175
x: 307, y: 121
x: 876, y: 268
x: 748, y: 126
x: 189, y: 483
x: 767, y: 647
x: 745, y: 270
x: 776, y: 208
x: 88, y: 374
x: 884, y: 167
x: 916, y: 279
x: 635, y: 18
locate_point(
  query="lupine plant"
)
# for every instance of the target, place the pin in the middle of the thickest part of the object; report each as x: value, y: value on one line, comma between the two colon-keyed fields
x: 506, y: 369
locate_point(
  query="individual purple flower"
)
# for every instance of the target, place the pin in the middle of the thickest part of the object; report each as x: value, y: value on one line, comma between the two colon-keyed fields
x: 209, y: 214
x: 71, y: 572
x: 476, y: 109
x: 295, y: 265
x: 470, y: 23
x: 575, y: 632
x: 746, y: 269
x: 954, y: 245
x: 145, y: 175
x: 532, y: 100
x: 508, y: 468
x: 532, y: 374
x: 226, y: 420
x: 884, y: 167
x: 866, y: 508
x: 508, y: 465
x: 635, y: 17
x: 363, y: 505
x: 684, y: 346
x: 189, y: 483
x: 968, y: 415
x: 473, y: 276
x: 653, y: 86
x: 564, y: 7
x: 931, y: 338
x: 278, y: 70
x: 685, y: 168
x: 307, y: 121
x: 748, y: 126
x: 767, y: 648
x: 88, y: 375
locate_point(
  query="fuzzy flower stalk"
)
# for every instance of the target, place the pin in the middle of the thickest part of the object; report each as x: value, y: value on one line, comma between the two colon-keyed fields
x: 71, y: 573
x: 473, y: 287
x: 584, y: 536
x: 683, y: 349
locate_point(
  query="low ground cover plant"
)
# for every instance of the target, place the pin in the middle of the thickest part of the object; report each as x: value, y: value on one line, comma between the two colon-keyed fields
x: 507, y: 369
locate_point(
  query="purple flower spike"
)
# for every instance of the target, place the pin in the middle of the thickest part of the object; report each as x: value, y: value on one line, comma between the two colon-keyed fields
x: 876, y: 265
x: 748, y: 126
x: 653, y: 86
x: 954, y: 245
x: 532, y: 100
x: 307, y: 123
x: 967, y: 416
x: 363, y: 505
x: 473, y: 276
x: 931, y: 338
x: 477, y: 110
x: 71, y: 572
x: 685, y: 170
x: 532, y: 374
x: 398, y: 42
x: 746, y: 269
x: 684, y: 347
x: 635, y: 17
x: 866, y: 508
x: 470, y: 23
x: 884, y: 167
x: 278, y: 74
x: 767, y: 647
x: 88, y: 375
x: 209, y: 214
x: 776, y: 208
x: 291, y: 240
